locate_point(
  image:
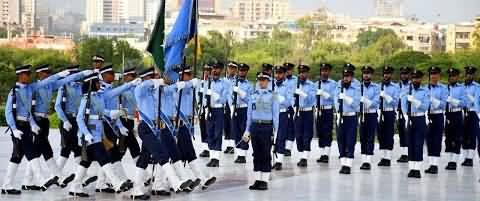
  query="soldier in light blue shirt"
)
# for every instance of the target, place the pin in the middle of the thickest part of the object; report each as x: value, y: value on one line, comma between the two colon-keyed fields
x: 207, y: 69
x: 369, y: 104
x: 389, y: 99
x: 436, y: 126
x: 304, y: 103
x: 230, y: 78
x: 454, y: 127
x: 472, y: 91
x: 415, y: 105
x: 404, y: 84
x: 290, y: 81
x: 262, y: 125
x: 324, y: 111
x: 347, y: 106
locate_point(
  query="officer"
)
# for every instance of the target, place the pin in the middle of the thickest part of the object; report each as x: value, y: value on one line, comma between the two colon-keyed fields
x: 217, y: 94
x: 305, y: 97
x: 436, y: 125
x: 404, y: 84
x: 97, y: 61
x: 266, y: 68
x: 389, y: 99
x: 242, y: 89
x: 369, y: 104
x: 472, y: 89
x: 324, y: 125
x: 415, y: 104
x: 232, y: 72
x: 284, y: 95
x: 89, y: 119
x: 453, y: 112
x: 207, y: 69
x: 291, y: 81
x: 262, y: 124
x: 347, y: 106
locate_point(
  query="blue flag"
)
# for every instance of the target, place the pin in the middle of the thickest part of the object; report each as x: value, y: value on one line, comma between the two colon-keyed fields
x: 183, y: 31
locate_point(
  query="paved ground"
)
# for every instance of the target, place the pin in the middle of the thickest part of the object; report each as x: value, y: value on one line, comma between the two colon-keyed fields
x: 317, y: 182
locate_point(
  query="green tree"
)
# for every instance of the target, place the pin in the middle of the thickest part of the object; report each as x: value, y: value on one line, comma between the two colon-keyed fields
x: 123, y: 51
x: 369, y: 37
x: 407, y: 58
x: 92, y: 46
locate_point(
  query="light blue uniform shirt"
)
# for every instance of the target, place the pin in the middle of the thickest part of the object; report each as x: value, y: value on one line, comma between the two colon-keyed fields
x: 285, y: 91
x: 354, y: 92
x: 457, y: 91
x: 440, y: 93
x: 473, y: 91
x: 393, y: 90
x: 128, y: 101
x: 330, y: 87
x: 23, y: 95
x: 221, y: 88
x: 372, y: 93
x: 247, y: 87
x: 263, y: 106
x: 309, y: 88
x: 97, y: 108
x: 146, y: 96
x: 72, y: 92
x: 422, y: 94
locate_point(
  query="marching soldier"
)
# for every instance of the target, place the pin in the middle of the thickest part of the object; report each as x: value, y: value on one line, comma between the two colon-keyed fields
x: 89, y: 119
x: 347, y: 106
x: 207, y: 70
x: 472, y: 129
x: 242, y: 89
x: 389, y: 99
x: 304, y: 102
x: 262, y: 124
x: 454, y: 115
x: 291, y: 81
x: 438, y: 96
x: 284, y: 95
x: 232, y: 72
x: 97, y: 61
x: 216, y: 98
x: 415, y: 104
x: 404, y: 84
x: 369, y: 104
x: 325, y: 93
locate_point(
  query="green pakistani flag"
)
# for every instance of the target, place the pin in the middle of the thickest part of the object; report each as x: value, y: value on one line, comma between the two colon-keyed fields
x: 155, y: 45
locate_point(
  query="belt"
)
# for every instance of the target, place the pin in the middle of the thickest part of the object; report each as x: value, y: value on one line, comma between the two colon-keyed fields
x: 283, y: 110
x: 216, y: 106
x: 455, y: 110
x: 388, y: 109
x: 436, y: 112
x: 371, y: 111
x: 39, y: 114
x: 94, y: 117
x: 472, y: 110
x: 22, y: 118
x: 417, y: 114
x: 269, y: 122
x: 131, y: 117
x: 326, y: 107
x: 306, y: 109
x: 242, y: 106
x: 349, y: 114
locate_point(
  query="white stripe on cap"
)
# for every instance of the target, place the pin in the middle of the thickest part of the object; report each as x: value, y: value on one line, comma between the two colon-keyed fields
x: 90, y: 78
x: 106, y: 70
x: 21, y: 71
x: 129, y: 72
x: 42, y: 69
x: 146, y: 74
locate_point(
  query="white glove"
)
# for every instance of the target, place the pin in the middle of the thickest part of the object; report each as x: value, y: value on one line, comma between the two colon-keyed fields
x: 427, y: 120
x: 88, y: 138
x: 214, y: 95
x: 67, y: 125
x: 407, y: 121
x: 231, y: 111
x: 453, y: 101
x: 123, y: 131
x: 348, y: 100
x: 414, y: 101
x: 136, y: 82
x: 382, y: 94
x: 471, y: 98
x: 96, y: 70
x: 201, y: 90
x: 338, y: 118
x: 280, y: 98
x: 181, y: 85
x: 341, y: 96
x: 239, y: 91
x: 387, y: 97
x: 158, y: 82
x: 365, y: 100
x: 246, y: 136
x: 209, y: 92
x: 195, y: 82
x: 300, y: 93
x: 435, y: 102
x: 87, y: 72
x: 35, y: 129
x: 115, y: 114
x: 397, y: 115
x: 17, y: 134
x: 64, y: 73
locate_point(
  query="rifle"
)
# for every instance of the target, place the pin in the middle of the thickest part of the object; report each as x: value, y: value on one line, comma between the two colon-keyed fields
x: 121, y: 140
x: 382, y: 88
x: 87, y: 116
x: 63, y: 105
x: 297, y: 100
x: 430, y: 91
x: 340, y: 108
x: 15, y: 141
x: 362, y: 105
x: 235, y: 97
x: 177, y: 120
x: 319, y: 110
x: 409, y: 107
x: 208, y: 99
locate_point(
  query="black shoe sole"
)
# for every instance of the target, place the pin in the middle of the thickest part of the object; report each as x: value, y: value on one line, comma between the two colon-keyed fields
x: 89, y: 181
x: 140, y: 197
x: 209, y: 183
x: 82, y: 195
x: 67, y: 180
x: 11, y: 192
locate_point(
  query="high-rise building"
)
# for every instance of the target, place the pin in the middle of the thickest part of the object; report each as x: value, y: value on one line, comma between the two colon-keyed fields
x: 9, y: 12
x: 261, y: 10
x: 115, y: 11
x: 460, y: 36
x: 389, y: 8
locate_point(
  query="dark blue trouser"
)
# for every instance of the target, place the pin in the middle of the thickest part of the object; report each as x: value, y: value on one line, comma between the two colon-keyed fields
x: 202, y: 122
x: 471, y: 131
x: 69, y: 139
x: 23, y: 147
x: 435, y: 134
x: 110, y: 135
x: 282, y: 133
x: 41, y: 140
x: 130, y: 141
x: 262, y: 145
x: 402, y: 131
x: 304, y: 130
x: 454, y: 132
x: 347, y: 136
x: 325, y: 128
x: 416, y: 138
x: 367, y: 133
x: 239, y: 124
x: 215, y: 124
x: 185, y: 145
x: 151, y: 145
x: 228, y: 120
x: 96, y: 152
x: 170, y: 144
x: 386, y: 130
x: 291, y: 124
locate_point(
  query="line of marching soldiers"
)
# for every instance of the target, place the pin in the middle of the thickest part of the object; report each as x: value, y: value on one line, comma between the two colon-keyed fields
x: 98, y: 123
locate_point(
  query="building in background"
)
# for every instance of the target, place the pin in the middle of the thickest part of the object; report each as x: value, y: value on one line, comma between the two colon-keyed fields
x: 389, y: 8
x: 459, y: 36
x: 261, y: 10
x: 10, y: 12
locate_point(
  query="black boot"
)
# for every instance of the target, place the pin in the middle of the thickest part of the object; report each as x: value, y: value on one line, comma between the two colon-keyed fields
x: 31, y: 188
x: 262, y: 186
x: 205, y: 154
x: 229, y: 150
x: 323, y: 159
x: 433, y: 169
x: 288, y: 152
x: 468, y: 162
x: 105, y: 190
x: 161, y: 192
x: 255, y: 185
x: 384, y: 163
x: 241, y: 160
x: 140, y: 197
x: 302, y: 163
x: 451, y: 166
x: 89, y: 181
x: 213, y: 163
x: 82, y: 195
x: 414, y: 174
x: 11, y: 191
x: 209, y: 183
x: 403, y: 159
x: 366, y: 166
x: 345, y: 170
x: 195, y: 184
x: 277, y: 166
x: 49, y: 183
x: 67, y: 180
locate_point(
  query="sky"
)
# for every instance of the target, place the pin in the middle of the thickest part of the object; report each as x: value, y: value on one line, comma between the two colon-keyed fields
x: 438, y: 11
